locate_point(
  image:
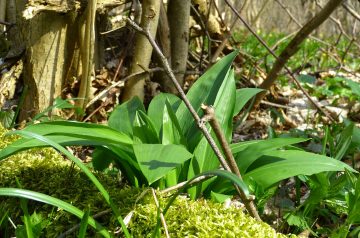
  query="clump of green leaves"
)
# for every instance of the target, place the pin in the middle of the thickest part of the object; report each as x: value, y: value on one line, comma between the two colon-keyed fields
x: 334, y: 197
x: 163, y: 146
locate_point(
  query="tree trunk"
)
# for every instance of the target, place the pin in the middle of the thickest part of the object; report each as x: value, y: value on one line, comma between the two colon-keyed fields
x: 143, y: 50
x: 50, y: 41
x: 178, y: 15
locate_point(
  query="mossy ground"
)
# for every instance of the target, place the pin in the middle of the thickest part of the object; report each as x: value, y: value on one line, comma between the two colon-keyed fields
x: 44, y: 170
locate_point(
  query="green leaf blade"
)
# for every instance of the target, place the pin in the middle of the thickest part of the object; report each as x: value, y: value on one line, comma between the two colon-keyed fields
x: 277, y: 165
x: 156, y: 160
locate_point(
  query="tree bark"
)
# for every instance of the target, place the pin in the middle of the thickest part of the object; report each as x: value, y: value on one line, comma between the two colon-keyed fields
x: 178, y: 15
x: 163, y: 37
x: 50, y: 41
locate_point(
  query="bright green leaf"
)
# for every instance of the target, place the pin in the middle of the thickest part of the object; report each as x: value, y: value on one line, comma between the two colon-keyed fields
x: 156, y: 107
x: 121, y: 119
x: 144, y: 130
x: 204, y: 90
x: 275, y: 166
x: 243, y: 95
x: 156, y: 160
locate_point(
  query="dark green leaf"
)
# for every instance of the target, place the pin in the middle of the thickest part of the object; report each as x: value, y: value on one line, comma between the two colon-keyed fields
x: 344, y: 141
x: 275, y: 166
x: 6, y: 118
x: 205, y: 90
x: 101, y: 158
x: 304, y: 78
x: 144, y: 130
x: 243, y: 95
x: 84, y: 224
x: 121, y: 119
x: 156, y: 160
x: 156, y: 107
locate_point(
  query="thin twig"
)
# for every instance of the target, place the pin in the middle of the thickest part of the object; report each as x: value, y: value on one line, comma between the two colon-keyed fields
x: 6, y: 23
x: 162, y: 218
x: 351, y: 11
x: 77, y: 226
x: 121, y: 83
x: 202, y: 126
x: 182, y: 184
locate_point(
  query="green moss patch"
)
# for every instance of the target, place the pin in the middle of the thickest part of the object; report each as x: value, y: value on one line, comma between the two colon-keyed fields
x: 44, y: 170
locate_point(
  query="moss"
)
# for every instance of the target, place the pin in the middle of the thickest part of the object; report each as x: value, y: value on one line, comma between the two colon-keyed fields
x: 44, y: 170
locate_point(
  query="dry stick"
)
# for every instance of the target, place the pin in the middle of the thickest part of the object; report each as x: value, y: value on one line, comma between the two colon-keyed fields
x: 77, y: 226
x: 209, y: 115
x: 298, y: 23
x: 182, y: 184
x: 162, y: 218
x: 253, y: 212
x: 351, y: 11
x: 290, y: 50
x: 338, y: 23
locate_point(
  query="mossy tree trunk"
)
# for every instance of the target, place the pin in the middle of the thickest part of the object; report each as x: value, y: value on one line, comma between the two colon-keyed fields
x: 51, y: 34
x: 50, y: 45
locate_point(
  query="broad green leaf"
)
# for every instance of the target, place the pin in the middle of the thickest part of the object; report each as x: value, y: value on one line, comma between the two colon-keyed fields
x: 354, y: 206
x: 305, y: 78
x: 6, y: 118
x: 204, y: 156
x: 275, y: 166
x: 243, y: 95
x: 171, y: 131
x: 171, y: 134
x: 204, y: 90
x: 156, y: 107
x: 67, y: 133
x: 121, y: 119
x: 355, y: 87
x: 102, y: 158
x: 59, y: 103
x: 252, y: 152
x: 156, y: 160
x: 144, y: 130
x: 22, y: 193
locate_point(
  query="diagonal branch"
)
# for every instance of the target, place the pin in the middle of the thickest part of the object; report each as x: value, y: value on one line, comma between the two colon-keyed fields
x: 290, y: 50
